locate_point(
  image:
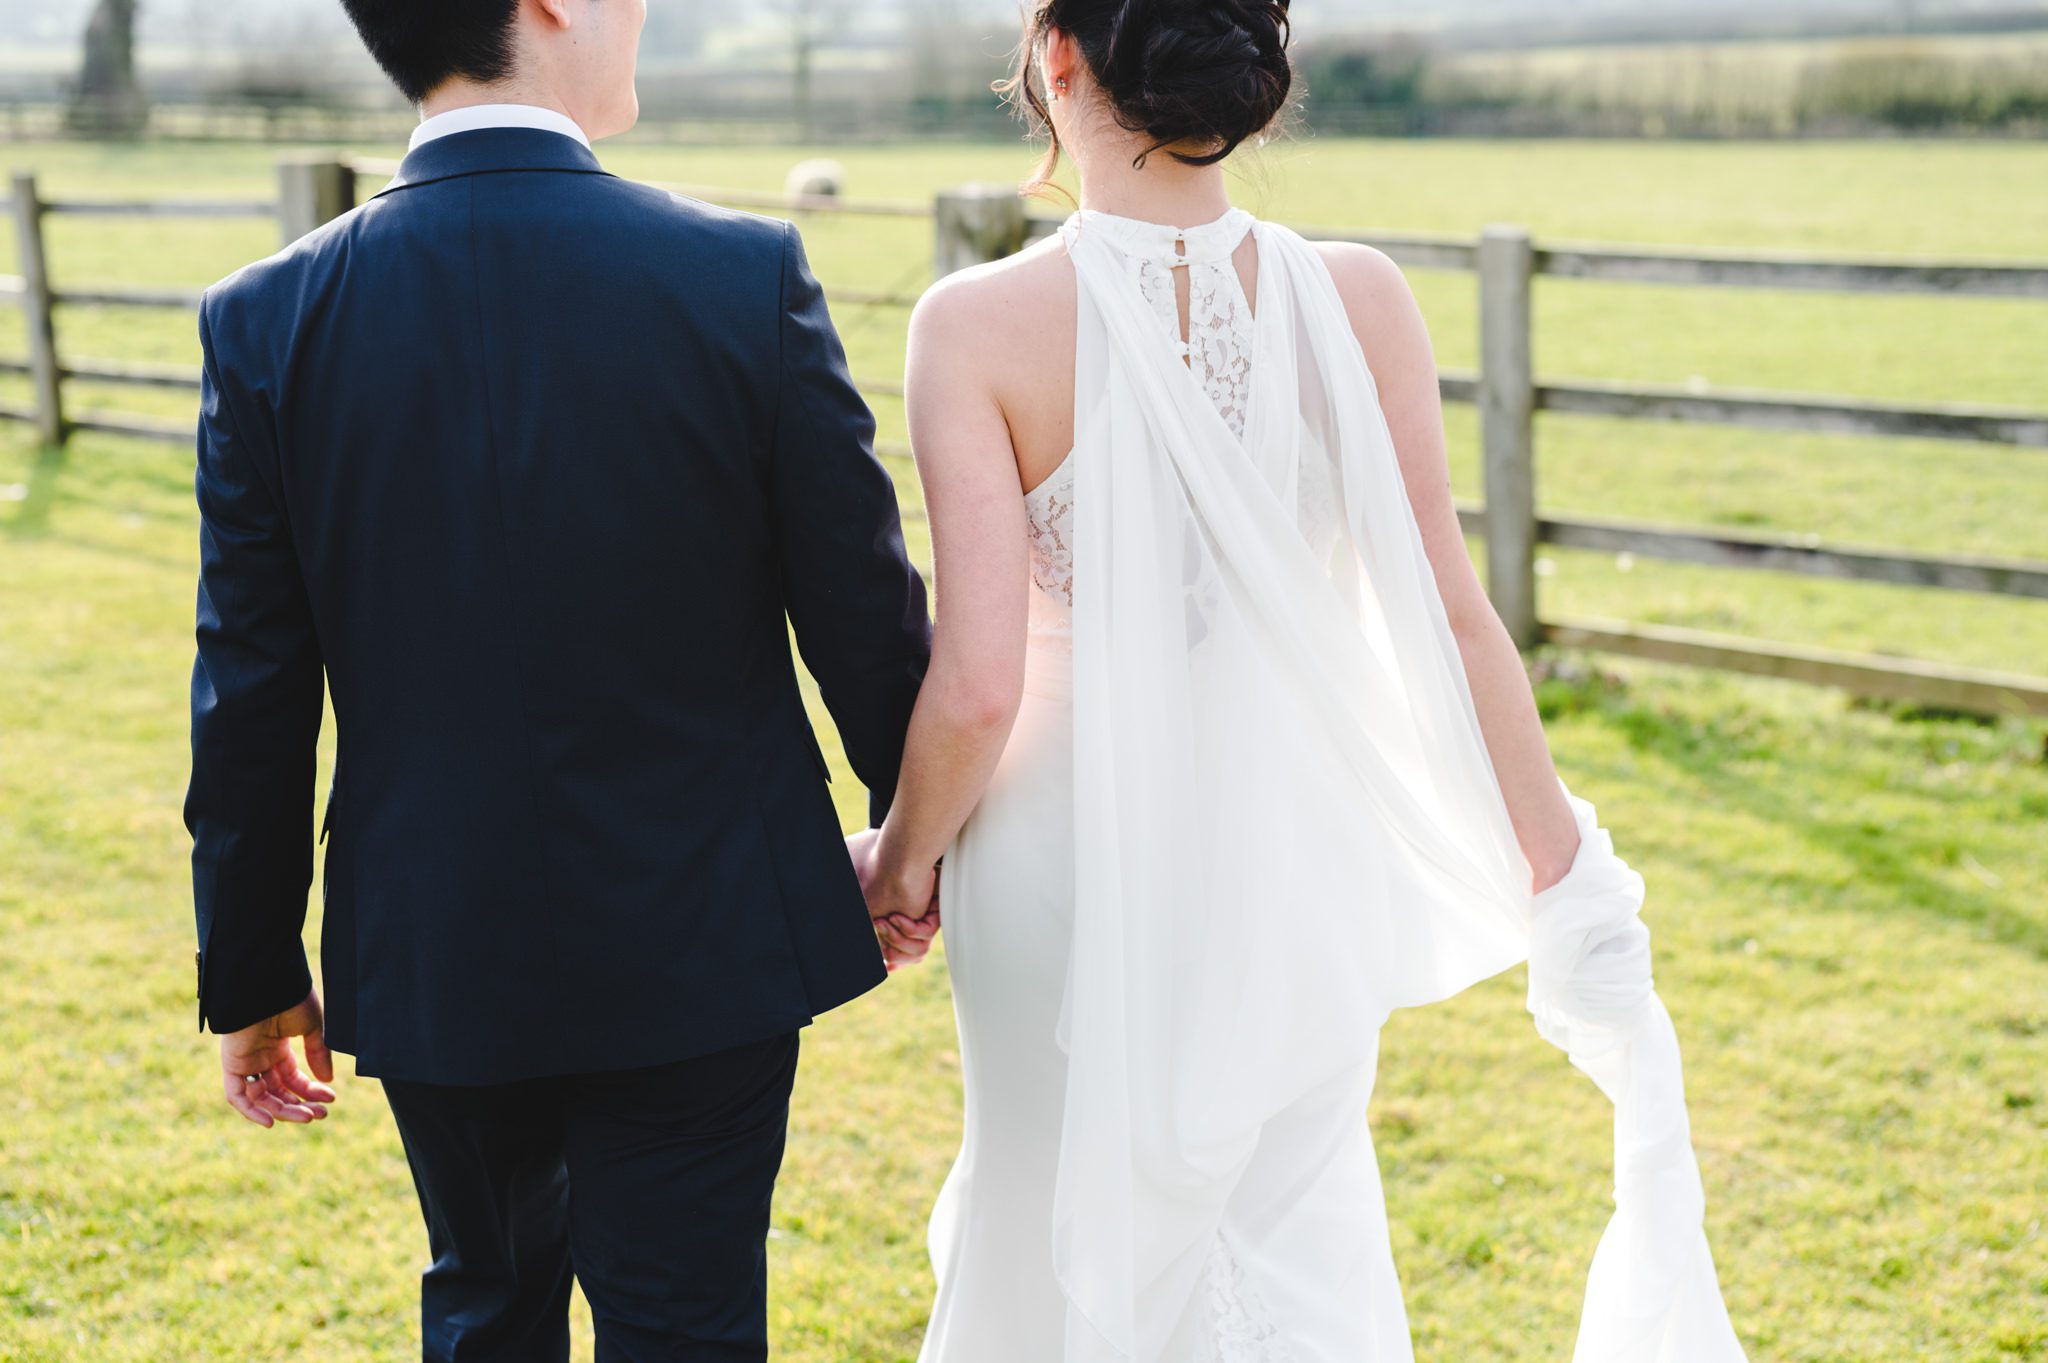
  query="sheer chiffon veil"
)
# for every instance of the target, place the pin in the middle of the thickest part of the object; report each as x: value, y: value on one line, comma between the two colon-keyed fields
x: 1288, y: 825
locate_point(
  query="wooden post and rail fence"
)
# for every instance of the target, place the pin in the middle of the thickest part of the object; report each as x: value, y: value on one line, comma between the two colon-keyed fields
x: 980, y: 223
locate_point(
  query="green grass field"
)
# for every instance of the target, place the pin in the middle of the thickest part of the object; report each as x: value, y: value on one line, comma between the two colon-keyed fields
x: 1848, y: 901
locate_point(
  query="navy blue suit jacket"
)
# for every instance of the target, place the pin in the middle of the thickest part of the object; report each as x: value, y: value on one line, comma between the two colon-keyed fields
x: 535, y: 468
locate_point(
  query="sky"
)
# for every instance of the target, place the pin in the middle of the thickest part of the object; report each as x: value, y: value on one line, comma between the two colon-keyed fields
x: 180, y: 22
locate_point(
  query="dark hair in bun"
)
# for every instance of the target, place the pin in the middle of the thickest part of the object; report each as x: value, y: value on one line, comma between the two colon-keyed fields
x: 1196, y: 78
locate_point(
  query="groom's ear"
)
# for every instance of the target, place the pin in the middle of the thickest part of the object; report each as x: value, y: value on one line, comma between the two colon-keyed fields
x: 554, y: 12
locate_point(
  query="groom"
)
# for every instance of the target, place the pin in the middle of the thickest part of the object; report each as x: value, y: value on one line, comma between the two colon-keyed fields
x: 534, y: 468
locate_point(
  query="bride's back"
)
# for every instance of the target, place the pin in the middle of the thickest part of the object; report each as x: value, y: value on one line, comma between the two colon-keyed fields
x: 1023, y: 310
x: 1148, y: 100
x: 1030, y: 301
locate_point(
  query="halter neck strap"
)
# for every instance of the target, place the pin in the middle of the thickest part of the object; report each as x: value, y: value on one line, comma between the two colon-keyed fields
x: 1209, y: 243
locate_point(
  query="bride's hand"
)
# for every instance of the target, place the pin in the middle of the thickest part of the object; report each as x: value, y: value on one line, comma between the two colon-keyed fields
x: 904, y: 941
x: 904, y: 906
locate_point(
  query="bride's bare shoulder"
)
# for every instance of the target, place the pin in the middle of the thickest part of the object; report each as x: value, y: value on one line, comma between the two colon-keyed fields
x: 1380, y: 307
x: 1002, y: 312
x: 1367, y: 278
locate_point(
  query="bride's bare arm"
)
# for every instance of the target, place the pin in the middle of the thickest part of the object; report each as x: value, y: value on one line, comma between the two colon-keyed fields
x: 1396, y: 342
x: 981, y: 580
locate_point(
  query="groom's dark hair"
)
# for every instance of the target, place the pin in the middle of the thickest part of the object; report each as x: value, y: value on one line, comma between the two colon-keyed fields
x: 421, y: 43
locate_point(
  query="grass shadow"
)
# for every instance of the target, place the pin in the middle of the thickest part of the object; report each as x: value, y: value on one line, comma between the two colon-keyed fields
x: 67, y: 493
x: 29, y: 517
x: 1783, y: 780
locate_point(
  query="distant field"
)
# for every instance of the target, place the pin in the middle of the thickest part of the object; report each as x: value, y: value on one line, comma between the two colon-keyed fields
x: 1769, y: 84
x: 1848, y: 904
x: 1768, y: 54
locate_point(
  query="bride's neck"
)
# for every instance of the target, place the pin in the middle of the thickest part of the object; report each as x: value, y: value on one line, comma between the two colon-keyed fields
x: 1163, y: 190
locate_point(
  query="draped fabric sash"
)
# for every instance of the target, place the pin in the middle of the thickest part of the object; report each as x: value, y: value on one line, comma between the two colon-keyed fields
x: 1288, y: 825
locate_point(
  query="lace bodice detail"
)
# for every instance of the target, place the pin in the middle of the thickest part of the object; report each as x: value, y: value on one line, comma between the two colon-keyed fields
x: 1218, y: 350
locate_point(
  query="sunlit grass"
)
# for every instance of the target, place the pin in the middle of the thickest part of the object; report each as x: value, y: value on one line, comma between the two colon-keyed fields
x: 1848, y: 904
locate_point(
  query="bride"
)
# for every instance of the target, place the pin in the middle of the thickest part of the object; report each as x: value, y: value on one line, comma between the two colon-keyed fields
x: 1226, y: 756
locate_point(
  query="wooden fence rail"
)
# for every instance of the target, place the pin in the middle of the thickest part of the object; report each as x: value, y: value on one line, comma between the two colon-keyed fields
x: 979, y: 223
x: 164, y: 208
x: 311, y: 191
x: 2018, y: 280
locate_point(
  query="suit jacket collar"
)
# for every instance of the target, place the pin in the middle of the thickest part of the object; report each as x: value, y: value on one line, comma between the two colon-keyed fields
x: 489, y: 150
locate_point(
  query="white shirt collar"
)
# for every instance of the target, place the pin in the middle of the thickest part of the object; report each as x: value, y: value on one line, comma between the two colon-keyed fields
x: 477, y: 116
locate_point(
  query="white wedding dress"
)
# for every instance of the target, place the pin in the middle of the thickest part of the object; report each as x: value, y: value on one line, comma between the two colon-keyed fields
x: 1245, y: 812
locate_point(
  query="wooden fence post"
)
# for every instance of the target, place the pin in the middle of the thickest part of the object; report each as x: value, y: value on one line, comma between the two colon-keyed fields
x: 312, y: 191
x: 38, y: 309
x: 1507, y: 403
x: 975, y: 224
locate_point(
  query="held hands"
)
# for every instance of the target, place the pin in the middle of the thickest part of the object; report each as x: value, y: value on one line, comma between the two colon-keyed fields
x: 904, y: 907
x: 261, y: 1077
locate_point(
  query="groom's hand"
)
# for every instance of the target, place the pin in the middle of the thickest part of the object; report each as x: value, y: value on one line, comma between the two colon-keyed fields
x: 261, y: 1076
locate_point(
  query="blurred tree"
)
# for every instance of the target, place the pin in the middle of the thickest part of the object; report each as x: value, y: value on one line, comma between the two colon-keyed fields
x: 1382, y: 72
x: 674, y: 31
x: 943, y: 61
x: 108, y: 102
x: 812, y: 24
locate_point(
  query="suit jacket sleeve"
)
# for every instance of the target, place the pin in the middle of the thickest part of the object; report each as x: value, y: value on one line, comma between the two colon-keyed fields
x: 256, y: 708
x: 857, y: 604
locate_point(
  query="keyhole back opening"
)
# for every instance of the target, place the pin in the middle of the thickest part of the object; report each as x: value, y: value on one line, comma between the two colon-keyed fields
x: 1244, y: 263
